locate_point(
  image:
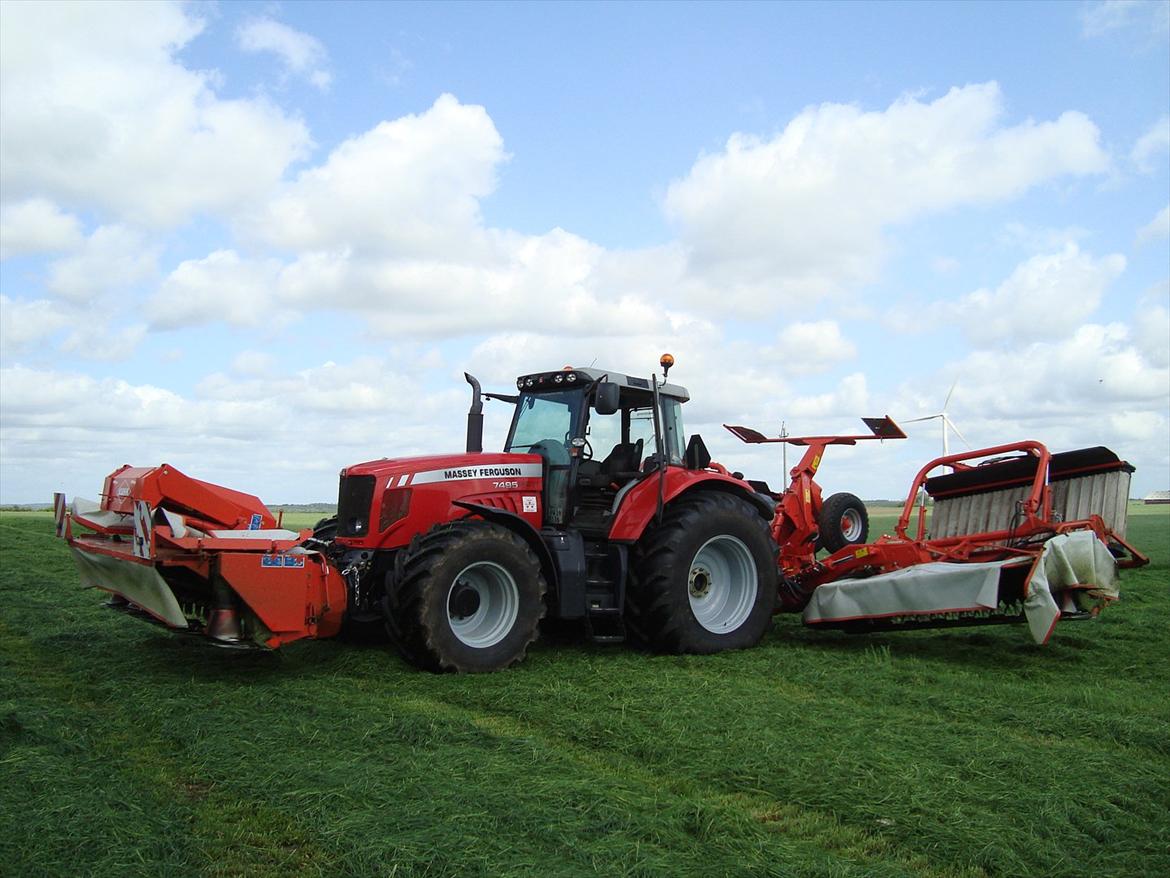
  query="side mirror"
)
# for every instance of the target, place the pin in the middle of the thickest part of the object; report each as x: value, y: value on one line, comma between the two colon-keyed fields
x: 608, y: 398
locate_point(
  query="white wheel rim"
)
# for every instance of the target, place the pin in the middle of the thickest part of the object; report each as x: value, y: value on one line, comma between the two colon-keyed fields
x: 851, y: 525
x: 722, y: 584
x: 482, y: 604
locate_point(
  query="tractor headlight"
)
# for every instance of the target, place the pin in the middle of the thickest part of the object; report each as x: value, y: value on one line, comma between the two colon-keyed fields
x: 572, y: 377
x: 558, y: 379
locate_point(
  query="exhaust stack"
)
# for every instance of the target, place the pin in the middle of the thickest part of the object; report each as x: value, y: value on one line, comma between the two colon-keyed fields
x: 474, y: 417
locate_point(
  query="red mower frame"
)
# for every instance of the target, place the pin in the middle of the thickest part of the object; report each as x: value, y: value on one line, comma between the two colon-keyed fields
x: 796, y: 525
x: 1033, y: 524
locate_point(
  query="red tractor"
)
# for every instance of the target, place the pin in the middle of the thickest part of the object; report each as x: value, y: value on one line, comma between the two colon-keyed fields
x: 596, y: 510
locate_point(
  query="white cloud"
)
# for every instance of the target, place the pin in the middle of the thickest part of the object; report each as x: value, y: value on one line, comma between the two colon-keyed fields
x: 1096, y: 370
x: 36, y: 225
x: 27, y: 327
x: 221, y: 287
x: 1140, y: 17
x: 1047, y: 296
x: 282, y: 437
x: 1099, y: 385
x: 389, y: 224
x: 816, y: 346
x: 300, y: 53
x: 542, y: 282
x: 408, y: 187
x: 96, y: 113
x: 1036, y: 238
x: 1152, y: 325
x: 851, y: 396
x: 1158, y: 227
x: 27, y: 324
x: 1151, y: 146
x: 100, y: 340
x: 803, y: 213
x: 111, y: 259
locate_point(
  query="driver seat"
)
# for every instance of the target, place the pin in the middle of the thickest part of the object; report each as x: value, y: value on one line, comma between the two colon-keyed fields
x: 620, y: 465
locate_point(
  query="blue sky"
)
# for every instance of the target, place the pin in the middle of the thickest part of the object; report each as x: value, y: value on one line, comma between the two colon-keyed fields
x: 261, y: 241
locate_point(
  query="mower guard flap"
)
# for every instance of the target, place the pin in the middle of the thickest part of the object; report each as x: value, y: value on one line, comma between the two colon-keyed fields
x: 137, y: 581
x: 924, y: 589
x: 1083, y: 572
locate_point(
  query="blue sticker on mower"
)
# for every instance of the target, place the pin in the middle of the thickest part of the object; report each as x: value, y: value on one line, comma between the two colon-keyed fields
x: 282, y: 560
x: 257, y: 520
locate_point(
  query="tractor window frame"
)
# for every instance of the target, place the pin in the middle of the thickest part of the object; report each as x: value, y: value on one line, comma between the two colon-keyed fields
x: 572, y: 400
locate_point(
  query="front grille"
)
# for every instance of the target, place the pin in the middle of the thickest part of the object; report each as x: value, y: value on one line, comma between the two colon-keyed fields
x: 354, y: 498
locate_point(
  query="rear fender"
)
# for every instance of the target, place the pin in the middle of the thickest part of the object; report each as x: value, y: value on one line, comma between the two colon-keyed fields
x: 640, y: 503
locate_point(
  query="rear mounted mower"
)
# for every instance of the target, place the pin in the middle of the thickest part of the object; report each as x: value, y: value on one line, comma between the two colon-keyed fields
x: 598, y: 515
x: 1015, y: 534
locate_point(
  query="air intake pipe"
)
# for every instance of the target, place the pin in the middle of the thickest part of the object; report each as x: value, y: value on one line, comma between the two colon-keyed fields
x: 474, y: 417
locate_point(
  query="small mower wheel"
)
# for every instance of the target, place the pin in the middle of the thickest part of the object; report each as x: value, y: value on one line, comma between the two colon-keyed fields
x: 466, y: 596
x: 843, y: 522
x: 705, y: 578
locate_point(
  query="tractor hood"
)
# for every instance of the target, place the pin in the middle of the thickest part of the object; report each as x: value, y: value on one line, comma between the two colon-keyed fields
x: 382, y: 504
x: 433, y: 468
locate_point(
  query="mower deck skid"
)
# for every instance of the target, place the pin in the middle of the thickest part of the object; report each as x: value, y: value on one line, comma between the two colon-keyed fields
x: 178, y: 565
x: 1016, y: 535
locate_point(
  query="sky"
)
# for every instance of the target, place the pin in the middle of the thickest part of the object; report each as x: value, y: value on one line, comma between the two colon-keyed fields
x: 263, y: 241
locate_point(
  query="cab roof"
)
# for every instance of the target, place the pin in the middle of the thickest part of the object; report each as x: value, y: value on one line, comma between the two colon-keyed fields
x: 563, y: 379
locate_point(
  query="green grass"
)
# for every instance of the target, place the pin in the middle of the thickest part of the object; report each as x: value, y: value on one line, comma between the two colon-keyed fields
x: 125, y: 751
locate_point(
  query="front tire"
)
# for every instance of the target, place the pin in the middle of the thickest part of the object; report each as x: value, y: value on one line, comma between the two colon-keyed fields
x: 466, y: 596
x: 705, y: 578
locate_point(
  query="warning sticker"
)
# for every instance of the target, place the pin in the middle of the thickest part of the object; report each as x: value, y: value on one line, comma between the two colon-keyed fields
x: 529, y: 504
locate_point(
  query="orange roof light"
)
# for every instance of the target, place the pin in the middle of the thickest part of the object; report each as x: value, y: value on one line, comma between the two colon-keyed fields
x: 666, y: 361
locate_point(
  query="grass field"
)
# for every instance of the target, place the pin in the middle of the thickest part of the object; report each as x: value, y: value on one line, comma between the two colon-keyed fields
x: 125, y: 751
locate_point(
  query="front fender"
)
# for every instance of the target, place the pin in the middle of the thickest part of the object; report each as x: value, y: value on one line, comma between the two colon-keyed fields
x: 520, y: 526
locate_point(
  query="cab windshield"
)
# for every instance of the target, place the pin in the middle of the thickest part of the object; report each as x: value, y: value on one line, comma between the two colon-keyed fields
x: 547, y: 421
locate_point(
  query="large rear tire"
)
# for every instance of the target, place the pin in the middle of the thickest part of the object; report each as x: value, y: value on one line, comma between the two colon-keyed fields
x: 843, y: 522
x: 466, y: 596
x: 705, y: 578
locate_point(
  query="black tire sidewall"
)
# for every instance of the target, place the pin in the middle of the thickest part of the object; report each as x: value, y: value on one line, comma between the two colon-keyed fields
x: 498, y: 546
x: 706, y: 521
x: 831, y: 536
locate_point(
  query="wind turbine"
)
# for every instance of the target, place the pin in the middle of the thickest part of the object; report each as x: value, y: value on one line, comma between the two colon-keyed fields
x: 947, y: 423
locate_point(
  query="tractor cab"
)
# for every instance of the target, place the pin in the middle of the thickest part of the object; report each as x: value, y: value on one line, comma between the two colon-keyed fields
x: 599, y: 433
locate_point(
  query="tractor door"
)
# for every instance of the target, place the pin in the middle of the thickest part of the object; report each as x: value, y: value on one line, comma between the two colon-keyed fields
x: 619, y: 448
x: 547, y: 424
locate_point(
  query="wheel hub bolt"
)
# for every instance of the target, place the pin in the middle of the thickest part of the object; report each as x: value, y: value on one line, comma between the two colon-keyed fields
x: 700, y: 583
